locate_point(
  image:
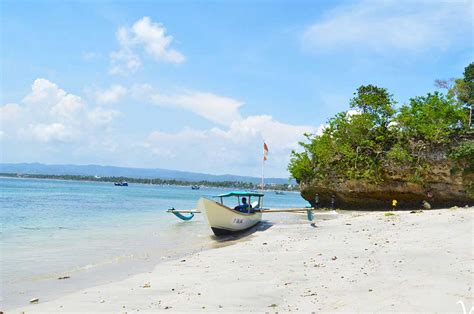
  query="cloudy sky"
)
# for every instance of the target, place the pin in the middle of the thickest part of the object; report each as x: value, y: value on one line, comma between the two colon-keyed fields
x: 199, y: 85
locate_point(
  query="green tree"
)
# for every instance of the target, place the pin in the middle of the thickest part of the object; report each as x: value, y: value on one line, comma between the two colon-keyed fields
x: 376, y: 102
x: 469, y: 82
x: 351, y: 146
x: 380, y: 141
x: 463, y: 88
x: 432, y: 119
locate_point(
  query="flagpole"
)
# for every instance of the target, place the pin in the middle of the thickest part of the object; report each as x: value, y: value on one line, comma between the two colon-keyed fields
x: 265, y: 152
x: 263, y: 167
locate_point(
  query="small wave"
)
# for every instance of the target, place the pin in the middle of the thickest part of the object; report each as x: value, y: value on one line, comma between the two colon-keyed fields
x: 31, y: 228
x: 45, y: 228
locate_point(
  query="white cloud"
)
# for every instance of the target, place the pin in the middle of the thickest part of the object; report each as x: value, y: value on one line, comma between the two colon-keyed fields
x: 167, y: 145
x: 47, y: 101
x: 280, y: 136
x: 55, y: 124
x: 141, y: 90
x: 152, y: 37
x: 386, y: 26
x: 10, y: 112
x: 42, y: 91
x: 218, y: 109
x: 49, y: 114
x: 47, y: 132
x: 68, y: 107
x: 237, y: 140
x: 144, y: 34
x: 10, y: 116
x: 102, y: 116
x: 111, y: 95
x: 215, y: 108
x: 239, y: 146
x: 124, y: 61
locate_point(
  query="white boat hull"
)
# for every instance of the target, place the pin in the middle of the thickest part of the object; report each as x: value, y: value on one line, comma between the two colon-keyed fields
x: 224, y: 220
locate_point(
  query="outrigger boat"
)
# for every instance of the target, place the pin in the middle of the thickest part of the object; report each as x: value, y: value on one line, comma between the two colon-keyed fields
x: 225, y: 220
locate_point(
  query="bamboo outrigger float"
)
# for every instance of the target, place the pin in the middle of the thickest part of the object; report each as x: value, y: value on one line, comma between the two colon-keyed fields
x: 225, y: 220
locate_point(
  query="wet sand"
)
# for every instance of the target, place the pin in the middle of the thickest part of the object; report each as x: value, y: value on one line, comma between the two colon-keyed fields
x: 358, y: 261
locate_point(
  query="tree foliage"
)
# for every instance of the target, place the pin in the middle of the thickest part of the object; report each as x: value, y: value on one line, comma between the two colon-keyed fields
x: 380, y: 140
x: 376, y: 102
x: 468, y: 96
x: 432, y: 119
x: 463, y: 88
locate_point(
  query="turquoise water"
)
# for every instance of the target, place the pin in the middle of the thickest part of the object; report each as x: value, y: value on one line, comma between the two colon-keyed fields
x: 94, y: 232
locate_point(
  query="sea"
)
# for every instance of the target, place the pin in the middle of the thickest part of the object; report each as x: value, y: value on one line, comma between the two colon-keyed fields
x: 92, y: 233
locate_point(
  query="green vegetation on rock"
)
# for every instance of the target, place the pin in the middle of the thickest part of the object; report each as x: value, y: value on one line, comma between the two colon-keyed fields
x: 377, y: 142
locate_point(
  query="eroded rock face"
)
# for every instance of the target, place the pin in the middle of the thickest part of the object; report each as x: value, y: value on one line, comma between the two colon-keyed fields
x: 445, y: 185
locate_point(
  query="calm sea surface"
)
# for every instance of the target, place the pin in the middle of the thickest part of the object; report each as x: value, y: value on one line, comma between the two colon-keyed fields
x: 94, y: 233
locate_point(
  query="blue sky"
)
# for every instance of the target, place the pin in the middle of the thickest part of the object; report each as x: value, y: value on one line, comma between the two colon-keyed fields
x: 199, y: 85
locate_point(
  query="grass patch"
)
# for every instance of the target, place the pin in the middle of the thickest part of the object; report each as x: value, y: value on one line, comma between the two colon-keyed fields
x: 389, y: 214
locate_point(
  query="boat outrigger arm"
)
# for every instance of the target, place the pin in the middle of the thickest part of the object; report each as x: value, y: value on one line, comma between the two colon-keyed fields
x: 179, y: 212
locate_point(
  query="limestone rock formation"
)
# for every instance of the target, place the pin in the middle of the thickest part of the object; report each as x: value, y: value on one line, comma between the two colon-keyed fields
x: 447, y: 183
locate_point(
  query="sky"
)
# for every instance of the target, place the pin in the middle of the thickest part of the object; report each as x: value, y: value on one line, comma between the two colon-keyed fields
x: 200, y: 85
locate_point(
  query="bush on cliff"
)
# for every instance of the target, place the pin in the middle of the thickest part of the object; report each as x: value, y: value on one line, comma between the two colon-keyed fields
x: 375, y: 141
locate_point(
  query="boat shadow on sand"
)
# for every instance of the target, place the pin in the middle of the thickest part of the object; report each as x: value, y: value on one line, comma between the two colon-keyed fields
x: 246, y: 234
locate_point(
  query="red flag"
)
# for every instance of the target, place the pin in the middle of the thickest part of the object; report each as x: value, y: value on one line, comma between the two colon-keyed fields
x: 265, y: 151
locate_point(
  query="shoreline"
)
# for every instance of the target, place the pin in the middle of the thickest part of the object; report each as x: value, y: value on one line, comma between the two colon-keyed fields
x: 356, y: 261
x: 140, y: 184
x: 77, y: 178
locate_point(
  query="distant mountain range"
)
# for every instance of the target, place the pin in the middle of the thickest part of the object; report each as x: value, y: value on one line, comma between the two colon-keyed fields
x: 111, y: 171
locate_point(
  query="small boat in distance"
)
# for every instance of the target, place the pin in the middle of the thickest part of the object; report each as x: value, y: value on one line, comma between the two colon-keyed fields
x: 195, y: 187
x: 123, y: 183
x: 279, y: 193
x: 225, y: 220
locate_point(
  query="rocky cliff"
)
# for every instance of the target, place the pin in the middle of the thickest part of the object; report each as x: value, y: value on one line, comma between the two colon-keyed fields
x: 445, y: 183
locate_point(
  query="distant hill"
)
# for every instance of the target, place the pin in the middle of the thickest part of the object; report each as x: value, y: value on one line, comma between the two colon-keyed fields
x: 109, y: 171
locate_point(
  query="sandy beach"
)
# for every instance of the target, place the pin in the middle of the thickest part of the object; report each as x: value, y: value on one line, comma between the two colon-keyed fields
x: 348, y: 262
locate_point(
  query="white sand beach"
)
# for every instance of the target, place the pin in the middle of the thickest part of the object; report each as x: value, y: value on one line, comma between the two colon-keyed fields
x: 349, y: 262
